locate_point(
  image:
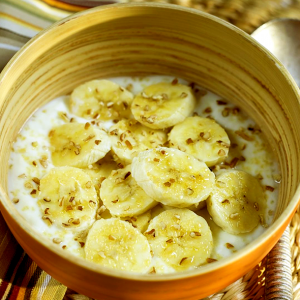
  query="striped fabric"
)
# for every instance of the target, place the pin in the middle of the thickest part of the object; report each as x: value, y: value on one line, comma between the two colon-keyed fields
x: 20, y: 277
x: 20, y: 20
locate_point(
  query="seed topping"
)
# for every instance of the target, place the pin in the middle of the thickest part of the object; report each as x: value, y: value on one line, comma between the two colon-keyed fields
x: 151, y: 232
x: 36, y: 180
x: 207, y: 110
x: 244, y: 136
x: 269, y: 188
x: 234, y: 216
x: 211, y: 260
x: 189, y: 141
x: 183, y: 95
x: 174, y: 81
x: 194, y: 234
x: 229, y: 246
x: 206, y: 136
x: 233, y: 162
x: 57, y: 240
x: 129, y: 145
x: 91, y: 136
x: 182, y: 260
x: 88, y: 184
x: 221, y: 102
x: 127, y: 175
x: 190, y: 191
x: 226, y: 201
x: 221, y: 152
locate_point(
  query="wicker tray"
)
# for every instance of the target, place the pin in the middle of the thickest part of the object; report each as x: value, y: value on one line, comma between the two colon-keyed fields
x: 278, y: 275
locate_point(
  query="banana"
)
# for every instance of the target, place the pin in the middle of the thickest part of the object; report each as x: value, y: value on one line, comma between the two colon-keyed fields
x: 172, y: 177
x: 78, y: 144
x: 201, y: 137
x: 122, y: 195
x: 237, y: 202
x: 141, y: 222
x: 101, y: 99
x: 67, y: 198
x: 116, y: 244
x: 100, y: 170
x: 128, y: 138
x: 179, y: 237
x: 163, y: 105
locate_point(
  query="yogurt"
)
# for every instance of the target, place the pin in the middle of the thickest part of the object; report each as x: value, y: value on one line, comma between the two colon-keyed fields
x: 30, y: 160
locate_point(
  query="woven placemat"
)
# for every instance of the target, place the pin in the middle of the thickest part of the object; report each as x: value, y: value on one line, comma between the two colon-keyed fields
x: 278, y: 275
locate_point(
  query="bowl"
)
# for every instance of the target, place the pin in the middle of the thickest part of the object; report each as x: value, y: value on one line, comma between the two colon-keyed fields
x: 143, y: 39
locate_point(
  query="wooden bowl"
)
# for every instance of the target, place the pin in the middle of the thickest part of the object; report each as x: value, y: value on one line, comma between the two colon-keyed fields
x: 144, y: 39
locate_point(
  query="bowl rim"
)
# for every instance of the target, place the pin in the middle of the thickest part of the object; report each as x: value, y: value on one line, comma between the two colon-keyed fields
x: 283, y: 219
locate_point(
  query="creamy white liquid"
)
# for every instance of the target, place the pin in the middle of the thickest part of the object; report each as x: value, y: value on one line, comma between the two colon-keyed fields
x: 32, y: 148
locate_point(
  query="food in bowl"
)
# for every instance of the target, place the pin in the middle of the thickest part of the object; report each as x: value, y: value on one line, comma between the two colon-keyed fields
x: 148, y: 175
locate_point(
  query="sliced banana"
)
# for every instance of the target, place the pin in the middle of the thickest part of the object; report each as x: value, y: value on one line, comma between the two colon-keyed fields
x: 67, y: 198
x: 141, y: 222
x: 128, y: 138
x: 101, y: 99
x: 100, y: 170
x: 163, y: 105
x: 201, y: 137
x: 172, y: 177
x: 237, y: 202
x: 180, y: 238
x: 78, y: 144
x: 116, y: 244
x: 123, y: 196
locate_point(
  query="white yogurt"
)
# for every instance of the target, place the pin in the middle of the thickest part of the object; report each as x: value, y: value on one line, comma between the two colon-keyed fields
x: 31, y: 157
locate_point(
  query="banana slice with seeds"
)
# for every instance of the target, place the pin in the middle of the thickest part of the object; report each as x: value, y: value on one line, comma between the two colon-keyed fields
x: 141, y: 222
x: 100, y: 170
x: 180, y: 238
x: 67, y: 198
x: 116, y: 244
x: 163, y: 105
x: 128, y: 138
x: 101, y: 99
x: 123, y: 196
x: 78, y: 144
x: 172, y: 177
x: 201, y: 137
x: 237, y: 202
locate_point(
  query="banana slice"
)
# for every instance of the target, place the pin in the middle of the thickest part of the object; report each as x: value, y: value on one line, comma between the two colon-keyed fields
x: 180, y: 238
x: 101, y: 99
x: 78, y: 144
x: 201, y: 137
x: 163, y: 105
x: 128, y: 138
x: 67, y: 198
x: 116, y: 244
x: 237, y: 202
x: 122, y: 196
x: 172, y: 177
x: 141, y: 222
x: 100, y: 170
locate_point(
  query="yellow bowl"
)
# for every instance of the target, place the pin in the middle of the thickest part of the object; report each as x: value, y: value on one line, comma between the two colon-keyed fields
x: 144, y: 39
